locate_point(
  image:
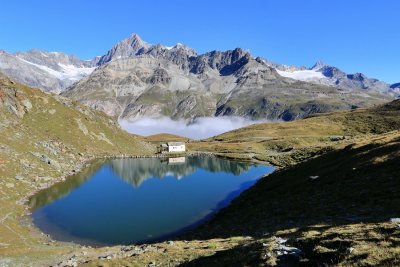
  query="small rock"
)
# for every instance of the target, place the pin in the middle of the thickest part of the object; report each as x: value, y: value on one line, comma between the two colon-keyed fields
x: 46, y: 159
x: 171, y: 243
x: 25, y: 164
x: 19, y: 177
x: 337, y: 138
x: 350, y: 250
x: 152, y: 264
x: 27, y: 104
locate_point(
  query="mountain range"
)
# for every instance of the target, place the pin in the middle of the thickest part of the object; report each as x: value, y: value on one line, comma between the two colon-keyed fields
x: 135, y: 79
x: 49, y: 71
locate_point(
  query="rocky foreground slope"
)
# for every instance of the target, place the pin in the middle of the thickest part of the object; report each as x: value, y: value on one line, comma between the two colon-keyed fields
x: 45, y: 137
x: 338, y: 209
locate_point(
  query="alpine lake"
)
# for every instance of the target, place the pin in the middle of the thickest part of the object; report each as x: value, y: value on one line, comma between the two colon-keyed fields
x: 131, y: 201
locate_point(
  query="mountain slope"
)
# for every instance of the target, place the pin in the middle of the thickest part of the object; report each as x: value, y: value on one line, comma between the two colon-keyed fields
x: 49, y: 71
x: 333, y: 200
x: 324, y: 74
x: 142, y: 80
x: 336, y: 206
x: 135, y: 79
x: 129, y: 47
x: 43, y: 139
x: 396, y: 88
x: 287, y: 143
x: 341, y: 218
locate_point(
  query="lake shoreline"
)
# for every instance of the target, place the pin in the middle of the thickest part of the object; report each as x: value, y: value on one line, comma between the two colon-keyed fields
x: 27, y: 217
x: 225, y: 178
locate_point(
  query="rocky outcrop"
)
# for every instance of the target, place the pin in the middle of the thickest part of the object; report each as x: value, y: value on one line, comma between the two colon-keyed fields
x: 12, y: 100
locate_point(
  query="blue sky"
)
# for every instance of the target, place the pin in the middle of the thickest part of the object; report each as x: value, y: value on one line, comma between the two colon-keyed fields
x: 355, y: 35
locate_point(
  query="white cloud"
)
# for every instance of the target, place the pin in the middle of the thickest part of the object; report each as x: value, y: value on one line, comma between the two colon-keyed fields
x: 199, y: 129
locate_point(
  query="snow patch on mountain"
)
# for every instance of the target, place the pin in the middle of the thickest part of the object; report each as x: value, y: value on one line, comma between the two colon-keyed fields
x: 66, y: 72
x: 302, y: 75
x: 174, y: 46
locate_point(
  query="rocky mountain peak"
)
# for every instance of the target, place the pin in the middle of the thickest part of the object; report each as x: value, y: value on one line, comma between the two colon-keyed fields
x: 318, y: 65
x: 181, y: 47
x: 226, y: 63
x: 135, y: 41
x: 128, y: 47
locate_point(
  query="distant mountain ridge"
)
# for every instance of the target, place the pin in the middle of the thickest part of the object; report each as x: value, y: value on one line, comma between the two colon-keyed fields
x: 324, y: 74
x: 139, y: 79
x: 135, y: 79
x: 49, y: 71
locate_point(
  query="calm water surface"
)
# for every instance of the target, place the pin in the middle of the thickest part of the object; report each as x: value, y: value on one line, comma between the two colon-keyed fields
x: 129, y: 201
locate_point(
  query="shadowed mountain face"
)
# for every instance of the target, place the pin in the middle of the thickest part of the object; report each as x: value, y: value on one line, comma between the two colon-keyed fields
x: 395, y: 85
x: 396, y: 88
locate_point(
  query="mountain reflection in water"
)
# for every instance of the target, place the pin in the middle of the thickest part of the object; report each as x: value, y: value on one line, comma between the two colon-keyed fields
x: 127, y: 201
x: 136, y: 171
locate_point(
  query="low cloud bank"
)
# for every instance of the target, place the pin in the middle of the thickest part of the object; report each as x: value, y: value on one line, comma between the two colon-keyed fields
x: 199, y: 129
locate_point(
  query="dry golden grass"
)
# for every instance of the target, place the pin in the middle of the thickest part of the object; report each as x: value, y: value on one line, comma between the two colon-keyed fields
x: 165, y: 137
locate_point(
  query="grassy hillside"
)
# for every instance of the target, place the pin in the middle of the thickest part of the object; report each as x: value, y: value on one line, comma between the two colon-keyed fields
x: 286, y: 143
x: 340, y: 218
x: 331, y: 203
x: 45, y: 137
x: 165, y: 137
x: 333, y: 209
